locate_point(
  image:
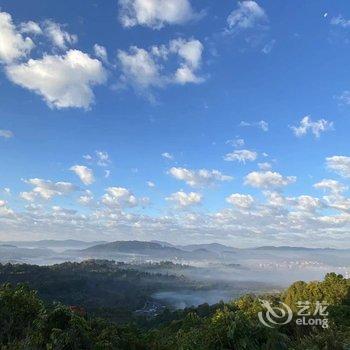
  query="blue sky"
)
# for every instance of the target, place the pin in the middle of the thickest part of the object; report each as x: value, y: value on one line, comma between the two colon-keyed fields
x: 185, y: 121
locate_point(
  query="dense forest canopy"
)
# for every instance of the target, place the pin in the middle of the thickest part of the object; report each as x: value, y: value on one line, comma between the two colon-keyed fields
x: 30, y: 321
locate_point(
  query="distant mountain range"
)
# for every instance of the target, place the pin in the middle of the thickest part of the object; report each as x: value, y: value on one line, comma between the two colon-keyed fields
x: 62, y: 250
x: 207, y: 252
x: 145, y: 246
x: 152, y: 249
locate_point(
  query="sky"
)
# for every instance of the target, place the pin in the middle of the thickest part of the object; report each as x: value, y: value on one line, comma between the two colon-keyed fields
x: 183, y: 121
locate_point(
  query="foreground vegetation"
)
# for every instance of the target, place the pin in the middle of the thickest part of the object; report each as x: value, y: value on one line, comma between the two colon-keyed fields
x: 102, y: 287
x: 28, y: 322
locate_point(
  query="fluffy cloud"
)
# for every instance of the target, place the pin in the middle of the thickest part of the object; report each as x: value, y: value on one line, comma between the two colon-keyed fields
x: 277, y: 219
x: 143, y: 69
x: 307, y: 203
x: 84, y: 173
x: 340, y: 165
x: 191, y: 53
x: 275, y: 199
x: 139, y: 69
x: 63, y: 81
x: 5, y: 211
x: 198, y: 178
x: 242, y: 201
x: 316, y: 128
x: 12, y: 44
x: 182, y: 199
x: 154, y: 13
x: 58, y: 36
x: 7, y: 134
x: 47, y: 189
x: 242, y: 156
x: 247, y: 15
x: 30, y: 27
x: 86, y: 198
x: 268, y: 180
x: 331, y: 185
x: 119, y: 197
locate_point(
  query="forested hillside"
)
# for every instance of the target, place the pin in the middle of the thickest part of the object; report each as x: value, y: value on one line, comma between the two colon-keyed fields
x: 28, y: 322
x: 101, y: 287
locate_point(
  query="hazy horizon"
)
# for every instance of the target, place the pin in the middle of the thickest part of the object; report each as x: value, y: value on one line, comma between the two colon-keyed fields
x: 172, y: 243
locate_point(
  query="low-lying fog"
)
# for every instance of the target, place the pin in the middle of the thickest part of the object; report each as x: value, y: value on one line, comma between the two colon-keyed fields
x: 236, y: 269
x: 187, y: 298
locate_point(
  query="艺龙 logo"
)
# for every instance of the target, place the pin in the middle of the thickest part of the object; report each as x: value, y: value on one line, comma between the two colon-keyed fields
x: 309, y: 314
x: 275, y: 315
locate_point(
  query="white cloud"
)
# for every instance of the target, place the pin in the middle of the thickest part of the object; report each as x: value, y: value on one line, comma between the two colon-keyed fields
x: 268, y: 180
x: 198, y: 178
x: 275, y: 199
x: 247, y: 15
x: 182, y: 199
x: 47, y: 189
x: 63, y: 81
x: 236, y: 142
x: 167, y: 155
x: 191, y: 52
x: 139, y: 69
x: 102, y: 158
x: 277, y: 220
x: 101, y: 52
x: 119, y: 197
x: 242, y: 156
x: 241, y: 201
x: 12, y: 44
x: 143, y: 69
x: 262, y: 124
x: 30, y: 27
x: 5, y: 211
x: 86, y: 198
x: 184, y: 75
x: 331, y: 185
x: 84, y: 173
x: 316, y: 128
x: 155, y: 13
x: 58, y: 36
x: 308, y: 203
x: 340, y: 165
x: 59, y: 212
x: 7, y: 134
x: 340, y: 21
x: 150, y: 184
